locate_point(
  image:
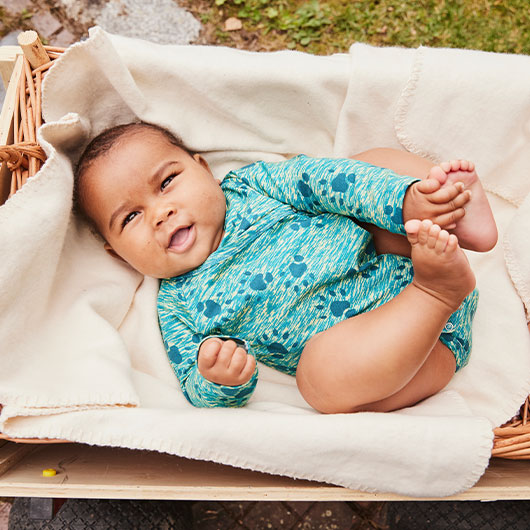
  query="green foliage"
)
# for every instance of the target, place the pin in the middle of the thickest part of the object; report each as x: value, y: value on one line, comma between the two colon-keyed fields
x: 302, y: 24
x: 25, y: 14
x: 328, y: 26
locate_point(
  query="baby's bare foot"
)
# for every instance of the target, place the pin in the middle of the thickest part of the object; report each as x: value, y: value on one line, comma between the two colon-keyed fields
x: 441, y: 268
x: 477, y: 229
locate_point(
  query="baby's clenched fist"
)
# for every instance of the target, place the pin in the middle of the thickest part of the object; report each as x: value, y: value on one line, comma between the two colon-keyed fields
x: 224, y: 362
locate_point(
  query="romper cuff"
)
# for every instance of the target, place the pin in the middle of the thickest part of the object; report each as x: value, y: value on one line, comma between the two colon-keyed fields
x: 403, y: 184
x: 205, y: 393
x: 238, y: 341
x: 202, y: 392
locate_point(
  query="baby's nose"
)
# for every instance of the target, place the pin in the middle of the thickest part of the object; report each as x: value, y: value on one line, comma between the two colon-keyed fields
x: 163, y: 214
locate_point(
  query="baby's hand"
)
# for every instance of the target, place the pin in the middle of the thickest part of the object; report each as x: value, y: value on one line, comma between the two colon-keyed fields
x: 224, y: 362
x: 443, y: 206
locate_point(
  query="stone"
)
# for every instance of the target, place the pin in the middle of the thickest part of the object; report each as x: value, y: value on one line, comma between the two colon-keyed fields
x: 64, y: 38
x: 15, y: 7
x: 45, y: 24
x: 10, y: 39
x: 83, y: 12
x: 161, y: 21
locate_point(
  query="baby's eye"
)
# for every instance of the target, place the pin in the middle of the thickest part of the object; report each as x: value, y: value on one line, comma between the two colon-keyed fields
x: 129, y: 218
x: 166, y: 181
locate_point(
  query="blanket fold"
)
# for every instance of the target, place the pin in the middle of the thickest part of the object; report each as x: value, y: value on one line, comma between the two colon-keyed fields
x: 82, y: 357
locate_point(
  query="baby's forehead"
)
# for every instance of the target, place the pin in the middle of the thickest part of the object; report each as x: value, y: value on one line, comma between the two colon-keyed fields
x: 136, y: 145
x: 142, y: 136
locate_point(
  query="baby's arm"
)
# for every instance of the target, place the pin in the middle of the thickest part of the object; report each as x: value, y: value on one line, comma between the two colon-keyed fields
x: 343, y: 186
x: 204, y: 377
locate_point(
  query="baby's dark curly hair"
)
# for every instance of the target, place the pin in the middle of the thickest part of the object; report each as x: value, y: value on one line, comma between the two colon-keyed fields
x: 101, y: 146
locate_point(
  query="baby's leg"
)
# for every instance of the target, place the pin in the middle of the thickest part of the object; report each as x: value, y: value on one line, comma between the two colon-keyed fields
x: 403, y: 163
x: 433, y: 376
x: 376, y: 355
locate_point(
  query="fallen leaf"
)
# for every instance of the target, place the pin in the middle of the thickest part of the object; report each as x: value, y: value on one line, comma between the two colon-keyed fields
x: 233, y: 24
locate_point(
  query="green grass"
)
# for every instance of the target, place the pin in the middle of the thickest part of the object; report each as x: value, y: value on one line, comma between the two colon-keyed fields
x: 329, y: 26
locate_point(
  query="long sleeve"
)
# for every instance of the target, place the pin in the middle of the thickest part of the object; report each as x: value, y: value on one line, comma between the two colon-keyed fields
x: 182, y: 346
x: 323, y: 185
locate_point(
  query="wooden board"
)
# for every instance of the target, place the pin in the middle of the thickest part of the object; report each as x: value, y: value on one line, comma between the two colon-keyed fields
x: 6, y: 121
x: 109, y: 473
x: 8, y: 55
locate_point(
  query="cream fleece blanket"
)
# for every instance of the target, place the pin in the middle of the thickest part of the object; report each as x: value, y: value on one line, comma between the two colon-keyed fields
x: 81, y: 353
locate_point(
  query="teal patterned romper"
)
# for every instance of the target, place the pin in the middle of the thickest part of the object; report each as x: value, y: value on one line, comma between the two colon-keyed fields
x: 293, y: 262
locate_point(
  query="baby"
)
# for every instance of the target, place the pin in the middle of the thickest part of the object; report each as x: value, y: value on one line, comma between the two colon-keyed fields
x: 302, y: 265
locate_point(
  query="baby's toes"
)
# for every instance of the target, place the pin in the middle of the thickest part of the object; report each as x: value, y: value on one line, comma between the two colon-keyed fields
x: 455, y: 165
x: 438, y: 173
x: 452, y: 243
x: 446, y: 167
x: 412, y: 228
x: 441, y: 241
x: 433, y: 234
x: 423, y: 233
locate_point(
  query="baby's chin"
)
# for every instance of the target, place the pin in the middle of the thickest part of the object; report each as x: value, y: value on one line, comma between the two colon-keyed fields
x: 165, y: 267
x: 160, y: 273
x: 163, y: 273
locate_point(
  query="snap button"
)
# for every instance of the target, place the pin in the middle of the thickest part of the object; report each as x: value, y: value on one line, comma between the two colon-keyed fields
x: 449, y: 327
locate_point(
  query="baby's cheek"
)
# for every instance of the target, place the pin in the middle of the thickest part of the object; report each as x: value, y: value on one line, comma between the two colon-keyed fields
x: 136, y: 253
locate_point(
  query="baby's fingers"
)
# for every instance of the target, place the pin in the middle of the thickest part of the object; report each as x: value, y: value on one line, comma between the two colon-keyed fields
x: 224, y: 362
x: 453, y: 192
x: 248, y: 369
x: 226, y: 353
x: 448, y: 220
x: 241, y: 366
x: 208, y: 353
x: 238, y: 360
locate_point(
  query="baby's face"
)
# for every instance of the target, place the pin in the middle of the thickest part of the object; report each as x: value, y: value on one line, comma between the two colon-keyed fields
x: 158, y: 208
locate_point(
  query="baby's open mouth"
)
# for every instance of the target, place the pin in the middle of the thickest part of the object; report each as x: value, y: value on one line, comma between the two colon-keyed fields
x: 181, y: 239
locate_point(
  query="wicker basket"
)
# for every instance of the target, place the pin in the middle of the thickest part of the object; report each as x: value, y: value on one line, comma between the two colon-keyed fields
x: 24, y: 158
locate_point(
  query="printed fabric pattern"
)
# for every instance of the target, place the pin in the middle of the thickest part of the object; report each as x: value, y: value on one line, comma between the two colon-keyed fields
x: 293, y: 262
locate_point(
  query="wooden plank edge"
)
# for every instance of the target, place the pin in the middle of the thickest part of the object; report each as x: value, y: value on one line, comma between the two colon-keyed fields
x: 8, y: 54
x: 11, y: 454
x: 6, y: 125
x: 318, y: 493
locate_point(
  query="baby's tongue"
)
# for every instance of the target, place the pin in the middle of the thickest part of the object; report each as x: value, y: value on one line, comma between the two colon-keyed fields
x: 180, y: 236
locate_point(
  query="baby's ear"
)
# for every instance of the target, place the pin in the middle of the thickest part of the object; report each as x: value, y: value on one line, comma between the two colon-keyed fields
x: 198, y: 158
x: 112, y: 252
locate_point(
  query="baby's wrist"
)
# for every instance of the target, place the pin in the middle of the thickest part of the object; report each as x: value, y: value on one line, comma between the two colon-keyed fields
x: 408, y: 199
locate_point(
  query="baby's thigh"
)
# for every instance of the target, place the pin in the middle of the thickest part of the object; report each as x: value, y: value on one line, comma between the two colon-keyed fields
x: 323, y: 374
x: 434, y: 374
x: 402, y: 162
